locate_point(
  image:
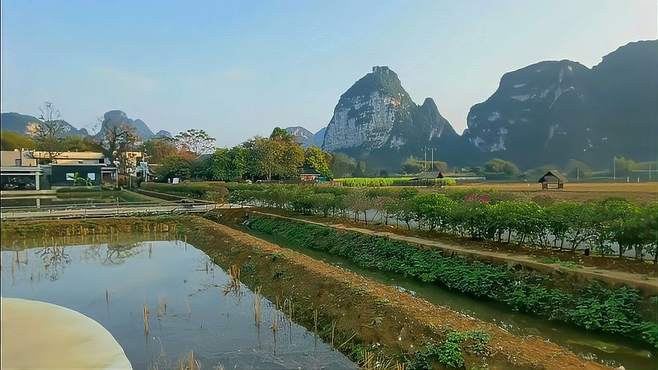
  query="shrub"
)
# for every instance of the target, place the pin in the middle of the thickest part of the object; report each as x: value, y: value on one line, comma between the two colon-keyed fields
x: 591, y: 306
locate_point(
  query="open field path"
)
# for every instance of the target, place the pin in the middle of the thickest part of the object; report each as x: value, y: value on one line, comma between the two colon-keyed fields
x: 646, y: 284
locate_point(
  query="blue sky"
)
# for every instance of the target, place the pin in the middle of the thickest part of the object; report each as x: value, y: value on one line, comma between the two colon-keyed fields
x: 239, y: 68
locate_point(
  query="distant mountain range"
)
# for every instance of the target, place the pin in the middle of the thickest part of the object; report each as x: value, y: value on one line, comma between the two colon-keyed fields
x: 19, y: 122
x: 554, y: 111
x: 545, y: 113
x: 115, y: 118
x: 306, y: 137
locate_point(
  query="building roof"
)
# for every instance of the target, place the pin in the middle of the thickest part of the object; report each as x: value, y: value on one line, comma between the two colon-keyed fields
x: 553, y: 173
x: 307, y: 171
x: 69, y: 155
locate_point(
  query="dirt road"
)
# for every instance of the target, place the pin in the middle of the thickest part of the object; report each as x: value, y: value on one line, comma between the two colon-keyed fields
x: 647, y: 285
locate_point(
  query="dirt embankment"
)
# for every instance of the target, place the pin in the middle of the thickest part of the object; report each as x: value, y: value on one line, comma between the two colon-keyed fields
x: 374, y: 312
x: 345, y: 309
x: 603, y: 262
x: 646, y: 283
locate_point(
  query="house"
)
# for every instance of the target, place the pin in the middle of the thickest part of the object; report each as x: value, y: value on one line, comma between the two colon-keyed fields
x: 78, y: 168
x: 19, y: 170
x: 309, y: 175
x: 553, y: 179
x: 132, y: 159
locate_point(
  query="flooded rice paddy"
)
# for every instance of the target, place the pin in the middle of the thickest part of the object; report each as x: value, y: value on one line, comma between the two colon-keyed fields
x: 164, y: 299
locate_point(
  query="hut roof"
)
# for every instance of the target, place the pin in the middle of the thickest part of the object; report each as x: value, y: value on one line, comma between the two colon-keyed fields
x: 553, y: 173
x: 309, y: 171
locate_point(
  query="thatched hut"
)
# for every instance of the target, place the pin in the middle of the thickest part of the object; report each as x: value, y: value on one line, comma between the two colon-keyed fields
x: 553, y: 179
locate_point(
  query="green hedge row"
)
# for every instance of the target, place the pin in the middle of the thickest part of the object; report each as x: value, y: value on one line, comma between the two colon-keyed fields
x: 594, y: 307
x: 392, y: 181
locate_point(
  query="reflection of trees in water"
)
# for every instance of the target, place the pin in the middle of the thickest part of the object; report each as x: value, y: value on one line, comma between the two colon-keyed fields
x: 54, y: 260
x: 112, y: 254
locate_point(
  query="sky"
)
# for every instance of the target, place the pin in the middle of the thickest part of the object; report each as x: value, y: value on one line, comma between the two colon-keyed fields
x: 239, y: 68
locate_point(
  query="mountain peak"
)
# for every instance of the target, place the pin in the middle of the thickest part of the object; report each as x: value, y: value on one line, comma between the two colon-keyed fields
x: 305, y: 137
x: 376, y: 118
x: 117, y: 117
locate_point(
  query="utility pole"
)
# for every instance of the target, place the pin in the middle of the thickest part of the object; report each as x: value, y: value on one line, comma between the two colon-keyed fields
x: 425, y: 160
x: 614, y: 168
x: 577, y: 173
x: 432, y: 169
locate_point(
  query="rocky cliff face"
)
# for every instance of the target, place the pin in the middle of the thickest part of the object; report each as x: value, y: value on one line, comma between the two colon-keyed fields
x: 553, y: 111
x: 367, y: 111
x: 376, y: 119
x: 625, y: 102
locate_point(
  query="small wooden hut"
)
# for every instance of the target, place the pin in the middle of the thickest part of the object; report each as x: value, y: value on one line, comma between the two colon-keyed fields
x: 309, y: 175
x: 553, y: 179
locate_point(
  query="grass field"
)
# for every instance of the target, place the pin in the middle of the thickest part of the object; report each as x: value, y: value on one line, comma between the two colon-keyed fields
x: 636, y: 192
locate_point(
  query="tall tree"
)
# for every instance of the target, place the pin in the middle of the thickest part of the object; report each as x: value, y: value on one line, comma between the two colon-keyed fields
x: 229, y: 164
x: 116, y: 141
x: 48, y: 133
x: 265, y: 154
x: 315, y: 158
x: 281, y: 134
x: 195, y: 141
x: 159, y: 148
x: 274, y: 157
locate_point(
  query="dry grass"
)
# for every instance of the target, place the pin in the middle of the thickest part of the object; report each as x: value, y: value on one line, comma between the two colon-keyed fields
x: 635, y: 192
x: 371, y: 362
x: 648, y: 187
x: 189, y: 363
x: 233, y: 285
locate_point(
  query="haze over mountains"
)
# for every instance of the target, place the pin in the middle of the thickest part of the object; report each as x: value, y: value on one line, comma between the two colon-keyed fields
x: 548, y: 112
x: 18, y: 123
x: 545, y: 113
x: 557, y: 110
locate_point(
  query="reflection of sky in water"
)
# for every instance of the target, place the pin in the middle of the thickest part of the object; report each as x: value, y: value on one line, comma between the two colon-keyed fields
x: 199, y: 317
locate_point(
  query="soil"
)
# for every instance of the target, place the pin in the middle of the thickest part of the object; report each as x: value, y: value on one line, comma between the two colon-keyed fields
x: 640, y: 193
x: 611, y: 270
x: 365, y: 314
x: 377, y: 313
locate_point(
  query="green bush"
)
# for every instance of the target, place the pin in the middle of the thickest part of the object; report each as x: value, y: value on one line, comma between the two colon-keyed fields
x: 390, y: 181
x: 592, y: 306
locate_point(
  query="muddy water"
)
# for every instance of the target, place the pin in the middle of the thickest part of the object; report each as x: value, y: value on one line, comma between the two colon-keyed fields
x: 611, y: 350
x: 191, y: 307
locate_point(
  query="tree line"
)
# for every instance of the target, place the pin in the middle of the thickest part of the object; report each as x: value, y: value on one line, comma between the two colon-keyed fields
x: 608, y: 227
x: 277, y: 157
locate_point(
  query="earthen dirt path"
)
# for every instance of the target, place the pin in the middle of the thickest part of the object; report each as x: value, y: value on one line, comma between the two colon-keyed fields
x: 646, y: 284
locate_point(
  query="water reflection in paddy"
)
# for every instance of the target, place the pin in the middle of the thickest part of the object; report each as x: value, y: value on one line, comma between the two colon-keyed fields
x: 189, y: 307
